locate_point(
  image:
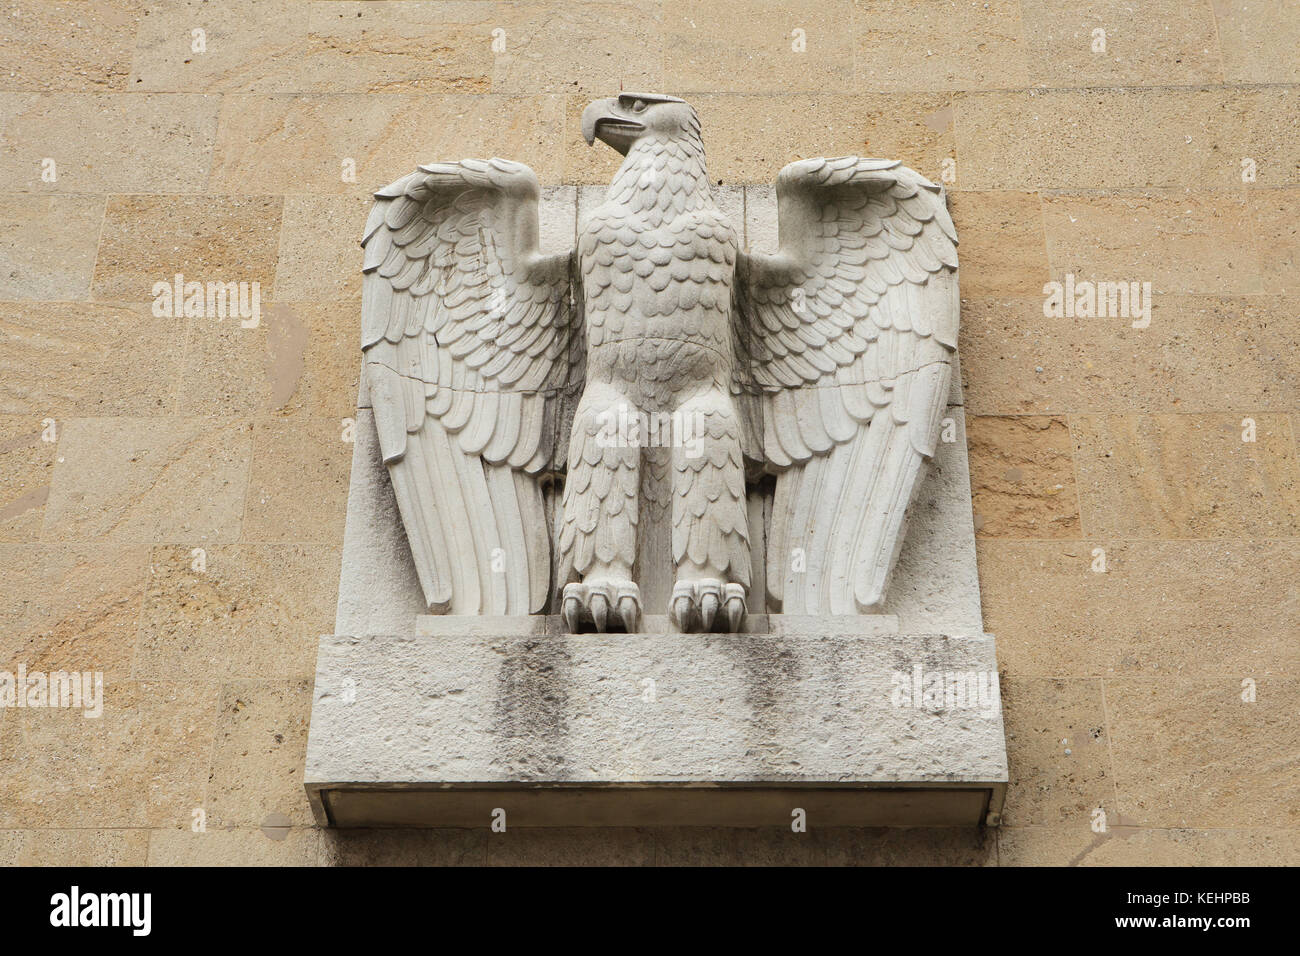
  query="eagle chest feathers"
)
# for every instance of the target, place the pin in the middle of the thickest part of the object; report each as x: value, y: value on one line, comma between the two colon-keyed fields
x: 657, y: 288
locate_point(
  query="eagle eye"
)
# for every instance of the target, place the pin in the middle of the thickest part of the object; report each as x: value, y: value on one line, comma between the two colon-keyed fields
x: 638, y: 106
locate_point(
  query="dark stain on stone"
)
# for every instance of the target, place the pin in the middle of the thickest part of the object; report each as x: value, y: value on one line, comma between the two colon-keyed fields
x: 285, y: 357
x: 768, y: 666
x: 22, y: 441
x: 24, y: 503
x: 939, y: 120
x: 530, y: 716
x: 276, y: 827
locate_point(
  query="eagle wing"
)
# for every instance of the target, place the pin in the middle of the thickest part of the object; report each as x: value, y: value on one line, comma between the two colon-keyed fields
x: 850, y: 329
x: 468, y: 338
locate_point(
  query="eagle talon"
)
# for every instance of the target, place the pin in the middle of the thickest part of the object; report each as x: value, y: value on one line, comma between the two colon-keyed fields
x: 629, y: 611
x: 709, y: 605
x: 586, y: 606
x: 696, y: 606
x: 735, y: 606
x: 572, y: 611
x: 599, y: 610
x: 680, y: 612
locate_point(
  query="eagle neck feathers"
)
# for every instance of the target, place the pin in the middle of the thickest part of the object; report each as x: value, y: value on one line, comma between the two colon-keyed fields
x: 663, y: 178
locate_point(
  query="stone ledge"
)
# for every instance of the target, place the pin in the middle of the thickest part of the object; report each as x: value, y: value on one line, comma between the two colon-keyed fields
x: 652, y: 729
x: 792, y: 625
x: 620, y: 805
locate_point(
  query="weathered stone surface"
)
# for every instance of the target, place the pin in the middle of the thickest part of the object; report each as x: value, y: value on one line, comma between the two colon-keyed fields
x: 1065, y: 139
x: 1210, y: 482
x: 1155, y: 43
x: 242, y: 611
x: 1199, y: 753
x: 179, y: 481
x: 957, y: 45
x: 1170, y: 609
x: 567, y: 717
x: 1021, y: 362
x: 126, y: 361
x: 1274, y: 214
x: 47, y: 245
x: 320, y: 248
x: 108, y: 142
x: 703, y: 50
x: 71, y: 607
x: 297, y: 144
x: 141, y: 764
x: 318, y: 376
x: 26, y: 464
x: 1058, y: 752
x: 297, y: 485
x: 1179, y: 242
x: 233, y: 239
x: 257, y: 759
x: 1022, y: 478
x: 1258, y: 40
x: 1127, y: 845
x: 299, y: 362
x: 620, y: 39
x: 274, y: 845
x: 315, y: 47
x: 81, y: 45
x: 1003, y: 251
x: 100, y: 847
x: 232, y: 371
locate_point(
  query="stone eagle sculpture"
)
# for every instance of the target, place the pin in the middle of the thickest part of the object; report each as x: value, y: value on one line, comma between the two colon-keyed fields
x: 819, y: 373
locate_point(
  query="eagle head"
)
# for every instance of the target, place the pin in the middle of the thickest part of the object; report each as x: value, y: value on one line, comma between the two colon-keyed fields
x: 622, y: 120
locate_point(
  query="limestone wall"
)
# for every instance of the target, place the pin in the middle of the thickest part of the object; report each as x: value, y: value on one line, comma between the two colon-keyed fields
x: 180, y: 531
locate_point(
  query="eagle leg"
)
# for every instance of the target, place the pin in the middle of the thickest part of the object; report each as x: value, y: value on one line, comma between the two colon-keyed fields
x: 710, y: 519
x: 599, y: 531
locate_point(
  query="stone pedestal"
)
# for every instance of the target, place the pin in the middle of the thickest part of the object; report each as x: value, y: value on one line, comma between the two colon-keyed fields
x: 890, y: 720
x: 857, y: 728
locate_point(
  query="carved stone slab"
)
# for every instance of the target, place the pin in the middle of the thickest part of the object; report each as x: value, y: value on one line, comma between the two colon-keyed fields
x: 637, y: 729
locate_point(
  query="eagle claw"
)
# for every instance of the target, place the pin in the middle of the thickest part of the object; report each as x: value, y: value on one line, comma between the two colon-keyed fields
x: 695, y: 606
x: 586, y: 605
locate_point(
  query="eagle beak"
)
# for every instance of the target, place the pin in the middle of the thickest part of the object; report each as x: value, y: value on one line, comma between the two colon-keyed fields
x: 589, y: 117
x: 604, y: 120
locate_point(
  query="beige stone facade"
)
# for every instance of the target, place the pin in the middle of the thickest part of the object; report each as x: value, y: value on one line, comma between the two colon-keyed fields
x: 1161, y: 691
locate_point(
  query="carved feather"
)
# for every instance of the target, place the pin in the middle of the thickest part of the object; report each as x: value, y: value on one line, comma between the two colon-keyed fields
x: 851, y: 328
x: 466, y: 335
